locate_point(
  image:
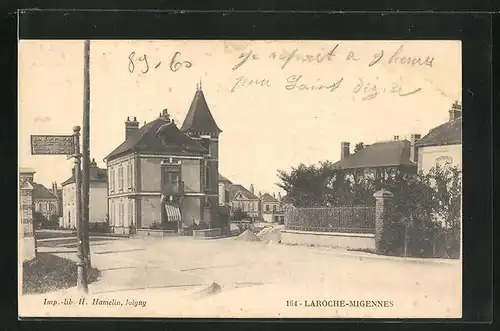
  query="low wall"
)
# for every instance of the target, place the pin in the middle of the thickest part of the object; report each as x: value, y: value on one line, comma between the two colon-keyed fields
x: 155, y: 233
x: 333, y: 239
x: 207, y: 233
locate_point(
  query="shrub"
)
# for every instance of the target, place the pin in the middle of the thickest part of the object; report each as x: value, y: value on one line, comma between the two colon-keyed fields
x: 99, y: 227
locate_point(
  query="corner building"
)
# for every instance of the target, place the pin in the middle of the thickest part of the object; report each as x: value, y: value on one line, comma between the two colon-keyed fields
x: 164, y: 174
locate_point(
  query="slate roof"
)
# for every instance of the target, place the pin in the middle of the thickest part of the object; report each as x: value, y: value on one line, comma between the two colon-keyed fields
x: 236, y: 188
x: 24, y: 170
x: 146, y: 140
x: 449, y: 133
x: 41, y: 192
x: 224, y: 179
x: 199, y: 118
x: 379, y: 154
x: 95, y: 175
x: 266, y: 197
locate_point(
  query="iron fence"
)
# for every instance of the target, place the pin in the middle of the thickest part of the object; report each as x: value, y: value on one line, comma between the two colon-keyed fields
x: 331, y: 219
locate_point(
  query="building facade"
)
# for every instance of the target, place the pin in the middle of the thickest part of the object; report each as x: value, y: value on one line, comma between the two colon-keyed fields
x: 27, y: 241
x: 45, y: 201
x: 224, y: 190
x: 98, y: 190
x: 271, y: 209
x: 245, y: 200
x: 165, y: 175
x: 378, y: 160
x: 443, y: 144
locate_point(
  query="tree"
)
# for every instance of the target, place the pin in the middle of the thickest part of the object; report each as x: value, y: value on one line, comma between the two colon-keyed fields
x: 359, y: 146
x: 325, y: 185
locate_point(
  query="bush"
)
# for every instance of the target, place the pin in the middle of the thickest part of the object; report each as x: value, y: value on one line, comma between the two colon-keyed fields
x: 99, y: 227
x: 47, y: 273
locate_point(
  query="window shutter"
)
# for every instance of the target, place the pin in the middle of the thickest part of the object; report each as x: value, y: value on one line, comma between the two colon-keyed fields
x: 131, y: 212
x: 111, y: 213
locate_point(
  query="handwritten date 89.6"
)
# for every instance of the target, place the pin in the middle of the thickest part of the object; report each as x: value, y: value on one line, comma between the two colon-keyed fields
x: 144, y: 63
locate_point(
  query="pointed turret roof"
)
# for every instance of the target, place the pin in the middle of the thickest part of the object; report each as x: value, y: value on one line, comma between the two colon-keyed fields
x: 159, y: 137
x: 199, y: 118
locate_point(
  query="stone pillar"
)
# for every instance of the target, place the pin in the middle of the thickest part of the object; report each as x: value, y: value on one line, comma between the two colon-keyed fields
x: 383, y: 206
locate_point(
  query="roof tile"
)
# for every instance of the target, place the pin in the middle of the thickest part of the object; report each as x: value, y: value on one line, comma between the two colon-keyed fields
x: 445, y: 134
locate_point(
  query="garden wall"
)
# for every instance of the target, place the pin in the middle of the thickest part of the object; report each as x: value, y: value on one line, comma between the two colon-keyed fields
x: 329, y: 239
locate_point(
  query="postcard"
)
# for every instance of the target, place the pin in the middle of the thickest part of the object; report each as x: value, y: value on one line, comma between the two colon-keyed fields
x: 240, y: 179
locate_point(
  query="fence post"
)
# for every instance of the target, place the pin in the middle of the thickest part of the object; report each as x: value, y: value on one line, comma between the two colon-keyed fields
x: 383, y: 204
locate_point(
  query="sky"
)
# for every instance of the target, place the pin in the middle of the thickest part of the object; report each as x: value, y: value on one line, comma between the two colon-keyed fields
x: 266, y: 96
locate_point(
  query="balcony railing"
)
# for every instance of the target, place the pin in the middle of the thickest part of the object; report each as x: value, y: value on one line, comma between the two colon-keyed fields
x: 173, y: 189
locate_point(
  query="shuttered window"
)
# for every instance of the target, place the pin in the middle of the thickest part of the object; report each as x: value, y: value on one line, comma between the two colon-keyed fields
x: 129, y: 174
x: 130, y: 212
x: 121, y: 221
x: 112, y: 220
x: 120, y: 178
x: 112, y: 180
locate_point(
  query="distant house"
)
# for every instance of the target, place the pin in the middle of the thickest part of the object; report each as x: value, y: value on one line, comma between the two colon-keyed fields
x: 224, y: 190
x: 98, y: 186
x: 443, y: 144
x: 45, y: 201
x: 271, y: 210
x: 378, y: 159
x: 247, y: 201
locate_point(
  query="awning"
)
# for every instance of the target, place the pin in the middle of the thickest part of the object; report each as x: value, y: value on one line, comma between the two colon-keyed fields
x: 173, y: 213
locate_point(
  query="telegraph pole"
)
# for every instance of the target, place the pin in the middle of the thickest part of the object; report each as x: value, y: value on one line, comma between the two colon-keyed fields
x: 86, y: 153
x: 81, y: 265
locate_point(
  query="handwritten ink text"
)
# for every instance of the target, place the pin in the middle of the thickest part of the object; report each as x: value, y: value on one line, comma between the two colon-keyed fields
x: 245, y: 82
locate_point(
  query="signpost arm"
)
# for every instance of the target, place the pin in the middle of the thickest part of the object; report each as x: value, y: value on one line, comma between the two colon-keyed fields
x: 86, y: 152
x: 81, y: 265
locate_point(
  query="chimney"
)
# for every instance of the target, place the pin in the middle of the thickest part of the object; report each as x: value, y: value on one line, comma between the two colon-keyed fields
x: 260, y: 194
x: 413, y: 149
x: 455, y: 111
x: 165, y: 115
x: 251, y: 188
x: 131, y: 127
x: 93, y: 163
x: 54, y: 188
x: 274, y: 195
x: 344, y: 150
x: 396, y: 137
x: 279, y: 196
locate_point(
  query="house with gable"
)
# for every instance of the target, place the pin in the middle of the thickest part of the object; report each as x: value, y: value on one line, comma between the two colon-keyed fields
x: 271, y: 210
x: 443, y: 144
x: 98, y: 191
x: 46, y: 202
x: 377, y: 160
x: 165, y: 174
x: 244, y: 199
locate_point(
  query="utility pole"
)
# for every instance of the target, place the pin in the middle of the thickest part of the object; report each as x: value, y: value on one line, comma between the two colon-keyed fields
x: 86, y: 153
x: 81, y: 265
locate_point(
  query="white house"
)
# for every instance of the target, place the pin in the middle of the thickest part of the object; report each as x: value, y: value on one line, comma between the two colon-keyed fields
x: 98, y: 188
x: 443, y: 144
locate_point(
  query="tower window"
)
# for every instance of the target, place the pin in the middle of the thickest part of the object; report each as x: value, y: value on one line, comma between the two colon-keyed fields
x: 205, y: 142
x: 207, y: 177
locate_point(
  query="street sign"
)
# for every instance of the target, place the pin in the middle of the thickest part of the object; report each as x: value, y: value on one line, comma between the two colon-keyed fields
x: 52, y: 145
